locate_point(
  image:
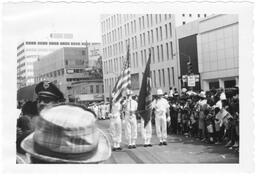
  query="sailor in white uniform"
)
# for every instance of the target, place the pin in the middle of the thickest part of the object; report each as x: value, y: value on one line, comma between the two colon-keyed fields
x: 162, y: 116
x: 116, y: 126
x: 130, y: 107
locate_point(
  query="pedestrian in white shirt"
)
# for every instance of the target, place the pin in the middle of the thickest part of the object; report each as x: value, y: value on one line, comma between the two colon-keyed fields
x: 116, y: 126
x: 130, y: 107
x: 162, y: 116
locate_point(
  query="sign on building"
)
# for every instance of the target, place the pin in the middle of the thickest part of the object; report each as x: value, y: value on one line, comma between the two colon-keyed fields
x: 191, y: 81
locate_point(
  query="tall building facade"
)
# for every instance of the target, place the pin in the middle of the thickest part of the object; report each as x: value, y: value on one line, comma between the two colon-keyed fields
x: 29, y: 51
x: 218, y: 51
x: 144, y: 33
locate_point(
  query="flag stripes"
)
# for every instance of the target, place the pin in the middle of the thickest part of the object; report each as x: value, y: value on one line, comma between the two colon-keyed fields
x: 124, y: 80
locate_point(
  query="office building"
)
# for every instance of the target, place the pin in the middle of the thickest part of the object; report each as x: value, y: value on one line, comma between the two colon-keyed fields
x: 30, y: 50
x: 218, y: 51
x: 64, y: 67
x: 144, y: 33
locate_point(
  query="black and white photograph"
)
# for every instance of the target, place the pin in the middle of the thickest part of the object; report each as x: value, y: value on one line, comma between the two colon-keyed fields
x: 126, y: 83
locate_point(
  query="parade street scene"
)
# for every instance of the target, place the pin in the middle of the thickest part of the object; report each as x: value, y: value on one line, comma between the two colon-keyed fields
x: 153, y: 88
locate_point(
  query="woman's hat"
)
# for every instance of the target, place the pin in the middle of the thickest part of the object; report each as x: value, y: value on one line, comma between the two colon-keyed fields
x: 67, y: 133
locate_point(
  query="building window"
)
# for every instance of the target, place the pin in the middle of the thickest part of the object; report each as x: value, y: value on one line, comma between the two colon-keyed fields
x: 159, y: 78
x: 170, y: 28
x: 162, y: 52
x: 144, y: 39
x: 137, y: 62
x: 97, y: 89
x: 163, y: 77
x: 161, y: 34
x: 169, y: 77
x: 171, y: 50
x: 214, y: 84
x: 166, y: 31
x: 183, y: 22
x: 198, y: 15
x: 153, y: 55
x: 204, y: 15
x: 158, y: 55
x: 143, y: 22
x: 134, y: 26
x: 147, y: 20
x: 167, y: 51
x: 183, y: 15
x: 53, y: 43
x: 173, y: 80
x: 154, y: 74
x: 156, y: 34
x: 151, y: 19
x: 190, y: 15
x: 91, y: 89
x: 141, y: 58
x: 156, y: 19
x: 148, y: 37
x: 145, y: 56
x: 152, y: 36
x: 229, y: 83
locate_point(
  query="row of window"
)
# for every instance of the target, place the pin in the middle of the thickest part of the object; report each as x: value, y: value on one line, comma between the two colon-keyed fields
x: 52, y: 74
x: 56, y: 43
x: 160, y: 78
x: 76, y: 79
x: 118, y: 48
x: 159, y: 54
x: 117, y: 34
x: 145, y: 20
x: 190, y: 15
x: 91, y: 90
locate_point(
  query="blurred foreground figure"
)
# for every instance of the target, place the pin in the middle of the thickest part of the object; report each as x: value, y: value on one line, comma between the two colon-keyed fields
x: 47, y: 95
x: 66, y: 133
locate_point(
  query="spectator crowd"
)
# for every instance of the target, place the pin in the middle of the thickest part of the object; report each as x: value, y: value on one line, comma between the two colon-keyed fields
x: 211, y: 116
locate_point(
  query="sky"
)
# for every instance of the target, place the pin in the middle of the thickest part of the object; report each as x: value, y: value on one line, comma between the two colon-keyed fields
x: 25, y: 21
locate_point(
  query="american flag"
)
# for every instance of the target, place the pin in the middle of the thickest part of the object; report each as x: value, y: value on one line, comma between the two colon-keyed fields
x: 124, y: 80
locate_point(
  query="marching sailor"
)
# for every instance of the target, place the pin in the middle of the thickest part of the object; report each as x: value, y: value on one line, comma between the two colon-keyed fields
x: 162, y: 116
x: 116, y: 125
x: 130, y: 107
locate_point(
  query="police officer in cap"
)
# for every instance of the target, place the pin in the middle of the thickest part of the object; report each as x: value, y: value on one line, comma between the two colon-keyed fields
x: 48, y: 94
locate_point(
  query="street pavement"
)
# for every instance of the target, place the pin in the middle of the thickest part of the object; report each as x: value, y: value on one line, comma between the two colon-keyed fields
x: 179, y: 150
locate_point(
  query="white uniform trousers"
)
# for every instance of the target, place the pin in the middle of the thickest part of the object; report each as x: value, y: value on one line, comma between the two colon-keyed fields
x: 131, y: 129
x: 146, y: 132
x: 161, y: 128
x: 116, y: 130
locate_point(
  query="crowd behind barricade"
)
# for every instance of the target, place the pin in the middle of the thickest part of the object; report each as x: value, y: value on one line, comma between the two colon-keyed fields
x: 211, y: 116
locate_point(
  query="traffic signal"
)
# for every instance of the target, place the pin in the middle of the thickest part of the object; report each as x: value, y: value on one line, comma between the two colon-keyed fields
x: 189, y: 67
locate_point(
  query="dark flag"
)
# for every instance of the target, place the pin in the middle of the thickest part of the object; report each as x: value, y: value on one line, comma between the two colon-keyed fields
x: 145, y: 96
